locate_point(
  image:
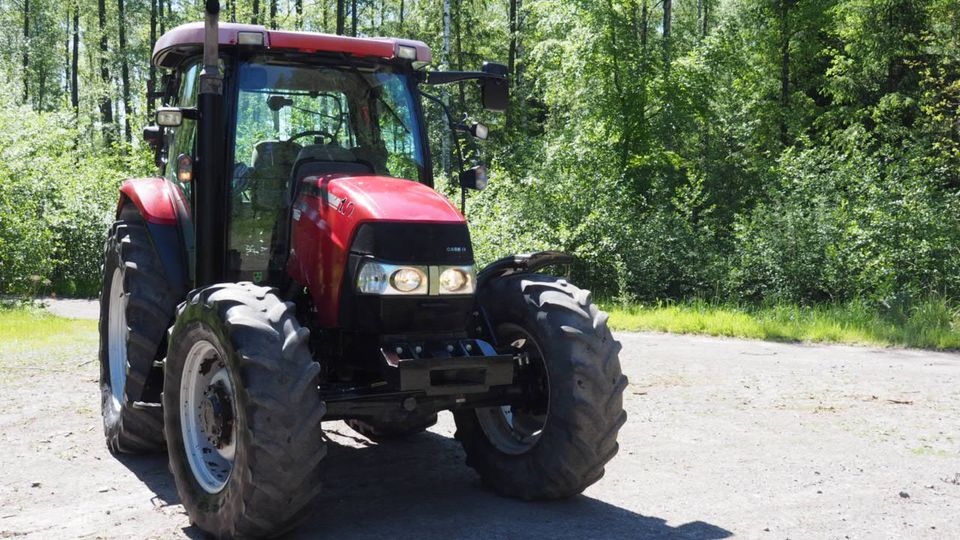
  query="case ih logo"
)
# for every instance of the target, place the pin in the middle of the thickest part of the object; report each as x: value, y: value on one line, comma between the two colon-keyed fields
x: 456, y: 249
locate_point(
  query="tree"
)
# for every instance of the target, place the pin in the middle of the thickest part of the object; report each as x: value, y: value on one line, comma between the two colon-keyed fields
x: 75, y: 61
x: 26, y: 51
x: 341, y: 17
x: 124, y: 67
x: 106, y: 104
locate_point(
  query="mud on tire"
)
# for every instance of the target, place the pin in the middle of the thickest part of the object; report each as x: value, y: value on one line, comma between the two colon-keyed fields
x: 277, y: 411
x: 585, y: 398
x: 149, y: 299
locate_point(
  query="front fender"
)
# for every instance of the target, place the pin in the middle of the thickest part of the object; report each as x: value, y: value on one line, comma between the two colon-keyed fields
x: 522, y: 263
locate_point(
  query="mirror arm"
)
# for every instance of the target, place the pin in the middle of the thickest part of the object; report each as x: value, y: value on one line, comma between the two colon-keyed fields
x: 456, y: 142
x: 454, y: 126
x: 446, y: 77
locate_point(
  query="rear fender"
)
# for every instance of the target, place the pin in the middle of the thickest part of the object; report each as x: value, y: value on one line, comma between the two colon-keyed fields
x: 152, y: 197
x: 161, y: 204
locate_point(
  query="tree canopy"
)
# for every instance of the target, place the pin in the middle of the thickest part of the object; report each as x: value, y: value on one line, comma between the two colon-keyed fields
x: 805, y: 150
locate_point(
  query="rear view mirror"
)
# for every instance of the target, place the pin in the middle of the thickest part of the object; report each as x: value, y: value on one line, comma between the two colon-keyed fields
x: 494, y: 91
x: 153, y: 135
x: 475, y: 178
x: 479, y: 131
x: 275, y: 103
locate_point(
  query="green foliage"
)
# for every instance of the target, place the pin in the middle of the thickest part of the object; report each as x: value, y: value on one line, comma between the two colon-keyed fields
x: 57, y: 196
x: 767, y: 150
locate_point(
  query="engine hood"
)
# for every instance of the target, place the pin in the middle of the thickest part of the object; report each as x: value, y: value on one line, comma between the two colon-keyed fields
x: 382, y: 198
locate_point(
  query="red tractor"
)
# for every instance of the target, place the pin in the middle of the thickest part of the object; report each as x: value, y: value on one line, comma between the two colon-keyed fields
x: 293, y: 265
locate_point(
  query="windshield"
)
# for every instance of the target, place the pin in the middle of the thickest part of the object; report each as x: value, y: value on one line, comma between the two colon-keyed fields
x: 310, y: 119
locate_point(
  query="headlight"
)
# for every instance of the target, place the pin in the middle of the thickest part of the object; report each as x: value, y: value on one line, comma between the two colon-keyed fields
x: 372, y: 279
x: 386, y: 279
x: 407, y: 280
x: 457, y: 280
x: 381, y: 278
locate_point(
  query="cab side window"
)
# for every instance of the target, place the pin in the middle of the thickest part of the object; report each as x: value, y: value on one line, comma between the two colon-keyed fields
x: 181, y: 140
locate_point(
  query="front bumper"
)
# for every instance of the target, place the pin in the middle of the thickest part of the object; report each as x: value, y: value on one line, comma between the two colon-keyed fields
x: 451, y: 367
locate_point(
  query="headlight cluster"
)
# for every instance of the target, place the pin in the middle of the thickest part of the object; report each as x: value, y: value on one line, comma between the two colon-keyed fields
x: 390, y: 279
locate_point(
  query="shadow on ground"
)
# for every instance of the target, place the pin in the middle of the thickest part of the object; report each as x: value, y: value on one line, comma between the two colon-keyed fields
x: 420, y: 489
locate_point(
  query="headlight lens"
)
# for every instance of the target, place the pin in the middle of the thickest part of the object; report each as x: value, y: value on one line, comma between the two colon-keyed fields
x: 372, y: 279
x: 407, y: 280
x: 452, y: 280
x: 456, y: 280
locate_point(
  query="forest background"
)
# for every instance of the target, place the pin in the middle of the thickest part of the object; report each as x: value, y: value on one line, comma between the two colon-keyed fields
x: 791, y: 154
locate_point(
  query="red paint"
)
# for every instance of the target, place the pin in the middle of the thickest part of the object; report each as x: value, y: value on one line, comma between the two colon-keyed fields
x: 322, y: 235
x: 153, y: 197
x: 190, y: 36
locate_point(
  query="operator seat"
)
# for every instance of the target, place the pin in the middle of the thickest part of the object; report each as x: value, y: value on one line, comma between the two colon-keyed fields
x: 271, y: 165
x: 321, y: 159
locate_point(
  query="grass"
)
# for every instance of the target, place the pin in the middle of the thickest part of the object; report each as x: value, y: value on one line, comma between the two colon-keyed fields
x: 931, y: 324
x: 25, y: 328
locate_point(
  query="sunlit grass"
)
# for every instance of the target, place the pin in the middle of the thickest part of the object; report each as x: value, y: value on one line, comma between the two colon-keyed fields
x: 931, y: 324
x: 28, y: 328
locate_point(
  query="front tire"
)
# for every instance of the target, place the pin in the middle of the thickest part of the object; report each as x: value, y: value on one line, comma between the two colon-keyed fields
x: 242, y: 412
x: 137, y: 301
x: 558, y: 444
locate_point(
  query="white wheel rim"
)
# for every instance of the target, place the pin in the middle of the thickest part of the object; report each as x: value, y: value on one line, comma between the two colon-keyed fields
x: 210, y: 446
x: 509, y: 431
x: 117, y: 337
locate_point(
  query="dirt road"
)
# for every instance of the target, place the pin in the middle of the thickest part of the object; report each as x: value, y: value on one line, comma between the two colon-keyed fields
x: 724, y: 438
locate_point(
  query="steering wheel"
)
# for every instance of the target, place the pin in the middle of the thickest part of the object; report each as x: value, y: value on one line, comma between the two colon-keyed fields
x: 315, y: 133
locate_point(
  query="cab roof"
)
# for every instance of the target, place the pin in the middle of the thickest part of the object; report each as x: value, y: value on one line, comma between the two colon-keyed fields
x: 186, y: 41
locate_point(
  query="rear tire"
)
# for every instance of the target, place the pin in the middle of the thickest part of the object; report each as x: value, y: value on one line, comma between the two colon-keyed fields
x: 266, y: 423
x: 558, y: 446
x: 137, y: 301
x: 379, y: 431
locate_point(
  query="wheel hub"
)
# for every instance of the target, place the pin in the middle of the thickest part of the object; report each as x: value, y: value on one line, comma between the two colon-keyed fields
x: 216, y: 415
x: 515, y: 430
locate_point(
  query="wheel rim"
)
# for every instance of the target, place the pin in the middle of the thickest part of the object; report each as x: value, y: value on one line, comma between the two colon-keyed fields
x: 207, y: 416
x: 515, y: 430
x: 117, y: 337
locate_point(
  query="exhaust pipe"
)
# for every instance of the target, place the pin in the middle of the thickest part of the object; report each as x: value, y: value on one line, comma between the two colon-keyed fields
x: 211, y: 82
x: 210, y: 186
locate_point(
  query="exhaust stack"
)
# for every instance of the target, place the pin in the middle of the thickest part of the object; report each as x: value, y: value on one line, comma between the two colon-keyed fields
x: 210, y: 189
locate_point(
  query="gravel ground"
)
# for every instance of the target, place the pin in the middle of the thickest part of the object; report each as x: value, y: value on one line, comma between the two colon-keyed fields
x: 725, y: 438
